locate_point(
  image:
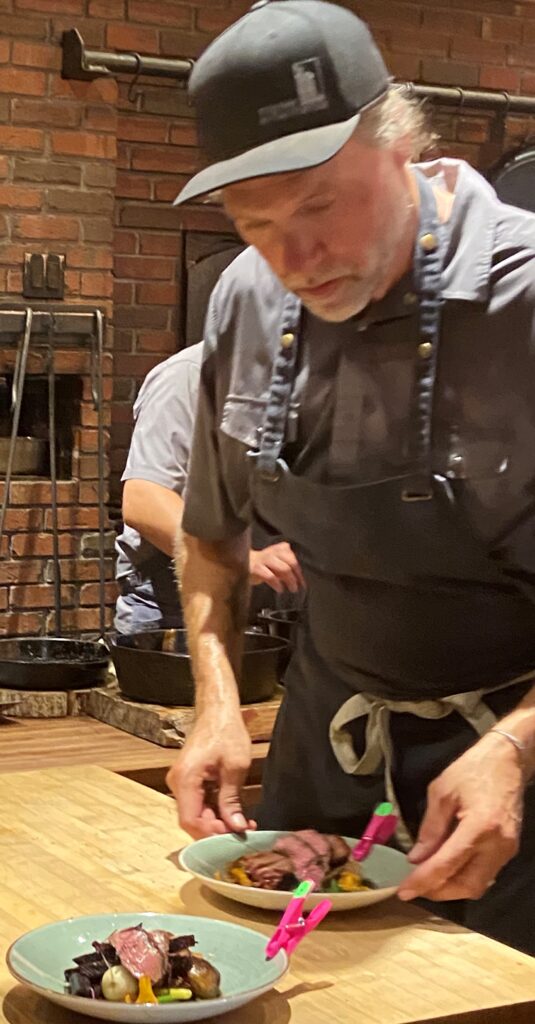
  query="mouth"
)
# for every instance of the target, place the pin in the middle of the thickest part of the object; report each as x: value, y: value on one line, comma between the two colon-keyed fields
x: 322, y: 291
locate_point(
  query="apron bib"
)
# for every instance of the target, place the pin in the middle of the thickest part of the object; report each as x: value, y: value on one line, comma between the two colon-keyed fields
x: 409, y: 624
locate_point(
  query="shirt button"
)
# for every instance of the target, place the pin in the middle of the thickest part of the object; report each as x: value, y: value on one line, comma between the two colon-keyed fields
x: 410, y: 299
x: 287, y: 340
x: 428, y: 242
x: 424, y: 349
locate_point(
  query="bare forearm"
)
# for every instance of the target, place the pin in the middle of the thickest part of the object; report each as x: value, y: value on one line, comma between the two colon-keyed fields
x: 154, y: 511
x: 214, y: 588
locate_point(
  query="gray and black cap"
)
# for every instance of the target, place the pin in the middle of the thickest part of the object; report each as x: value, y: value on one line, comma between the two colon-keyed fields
x: 281, y: 90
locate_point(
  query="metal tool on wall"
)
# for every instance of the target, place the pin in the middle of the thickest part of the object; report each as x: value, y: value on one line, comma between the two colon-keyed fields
x: 56, y: 662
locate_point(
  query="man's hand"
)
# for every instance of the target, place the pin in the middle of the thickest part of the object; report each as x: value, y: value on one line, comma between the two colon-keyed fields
x: 207, y: 777
x: 276, y: 566
x: 472, y: 824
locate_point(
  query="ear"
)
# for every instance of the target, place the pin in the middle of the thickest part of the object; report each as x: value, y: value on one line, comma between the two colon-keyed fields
x: 402, y: 149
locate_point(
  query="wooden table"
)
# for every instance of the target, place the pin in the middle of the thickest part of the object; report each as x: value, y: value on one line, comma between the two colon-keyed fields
x: 30, y: 743
x: 81, y: 840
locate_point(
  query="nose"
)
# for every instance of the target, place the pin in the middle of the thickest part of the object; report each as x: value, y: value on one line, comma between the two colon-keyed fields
x: 299, y: 253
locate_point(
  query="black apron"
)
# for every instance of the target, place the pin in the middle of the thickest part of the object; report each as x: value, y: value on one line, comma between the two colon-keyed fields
x: 399, y: 590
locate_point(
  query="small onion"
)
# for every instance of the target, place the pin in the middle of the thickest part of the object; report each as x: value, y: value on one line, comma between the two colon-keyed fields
x: 117, y: 983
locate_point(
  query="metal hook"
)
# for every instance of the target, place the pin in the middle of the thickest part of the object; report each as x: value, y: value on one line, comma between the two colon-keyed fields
x: 507, y: 101
x: 132, y: 94
x: 462, y: 97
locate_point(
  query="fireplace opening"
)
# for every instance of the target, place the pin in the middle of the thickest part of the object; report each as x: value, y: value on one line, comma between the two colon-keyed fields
x: 32, y: 454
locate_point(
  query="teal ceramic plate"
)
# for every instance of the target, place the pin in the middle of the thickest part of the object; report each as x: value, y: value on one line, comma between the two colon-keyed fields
x: 39, y: 958
x: 385, y: 868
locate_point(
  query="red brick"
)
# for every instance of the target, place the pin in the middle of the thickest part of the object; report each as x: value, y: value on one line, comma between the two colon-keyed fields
x: 174, y: 159
x: 20, y: 198
x: 183, y: 133
x: 160, y: 13
x: 157, y: 294
x: 90, y: 593
x: 27, y: 83
x: 167, y: 189
x: 23, y: 519
x: 30, y: 545
x: 160, y: 245
x: 529, y: 32
x: 164, y: 342
x: 132, y: 186
x: 215, y: 20
x: 88, y: 467
x: 4, y: 51
x: 72, y: 361
x: 477, y: 50
x: 100, y: 119
x: 97, y: 283
x: 72, y: 282
x: 144, y: 268
x: 3, y: 598
x: 107, y: 9
x: 14, y: 282
x: 13, y: 25
x: 123, y: 36
x: 134, y: 365
x: 20, y: 138
x: 45, y: 112
x: 123, y: 292
x: 432, y: 44
x: 522, y: 56
x: 472, y: 129
x: 504, y: 30
x: 36, y: 55
x: 67, y: 6
x: 528, y: 83
x: 46, y: 226
x: 405, y: 67
x: 4, y: 167
x: 500, y: 78
x: 81, y: 569
x: 454, y: 23
x: 101, y: 89
x: 141, y: 129
x: 21, y: 624
x: 138, y: 317
x: 25, y: 571
x: 447, y: 72
x: 178, y: 42
x: 39, y: 596
x: 87, y: 619
x: 87, y: 257
x: 84, y: 144
x: 38, y: 492
x: 125, y: 242
x: 74, y: 518
x: 100, y: 176
x: 107, y: 389
x: 89, y: 416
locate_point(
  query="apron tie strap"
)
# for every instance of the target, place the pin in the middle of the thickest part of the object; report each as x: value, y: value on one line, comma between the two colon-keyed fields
x: 378, y: 751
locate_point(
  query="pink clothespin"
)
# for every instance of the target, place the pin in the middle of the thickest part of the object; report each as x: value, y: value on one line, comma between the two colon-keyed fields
x: 379, y: 829
x: 293, y: 926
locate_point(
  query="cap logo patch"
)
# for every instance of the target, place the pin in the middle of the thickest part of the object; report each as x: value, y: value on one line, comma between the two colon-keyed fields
x: 310, y: 89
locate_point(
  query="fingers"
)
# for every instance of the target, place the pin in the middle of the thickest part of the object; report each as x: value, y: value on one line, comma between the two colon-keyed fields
x: 229, y: 800
x: 194, y: 815
x: 277, y: 565
x: 436, y: 824
x: 465, y: 865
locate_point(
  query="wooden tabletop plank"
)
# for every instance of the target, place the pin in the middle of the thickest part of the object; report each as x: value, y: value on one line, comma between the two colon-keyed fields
x: 80, y: 840
x: 27, y: 744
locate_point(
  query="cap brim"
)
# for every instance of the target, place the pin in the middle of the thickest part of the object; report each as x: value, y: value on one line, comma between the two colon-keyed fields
x: 290, y: 153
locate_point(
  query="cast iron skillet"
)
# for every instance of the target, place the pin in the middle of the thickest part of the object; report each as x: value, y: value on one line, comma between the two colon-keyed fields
x: 148, y: 673
x: 513, y: 177
x: 51, y: 663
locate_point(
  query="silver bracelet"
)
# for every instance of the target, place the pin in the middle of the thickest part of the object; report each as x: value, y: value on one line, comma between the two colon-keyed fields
x: 512, y: 739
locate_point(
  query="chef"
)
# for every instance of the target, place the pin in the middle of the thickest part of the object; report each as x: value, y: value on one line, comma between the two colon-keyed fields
x: 366, y: 390
x: 154, y: 481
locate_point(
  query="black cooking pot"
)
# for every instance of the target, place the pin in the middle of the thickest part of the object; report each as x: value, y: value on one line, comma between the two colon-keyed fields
x: 52, y: 663
x: 513, y: 177
x: 155, y: 667
x: 281, y: 624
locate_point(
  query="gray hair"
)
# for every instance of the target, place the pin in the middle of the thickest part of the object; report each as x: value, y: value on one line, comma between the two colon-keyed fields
x: 394, y: 116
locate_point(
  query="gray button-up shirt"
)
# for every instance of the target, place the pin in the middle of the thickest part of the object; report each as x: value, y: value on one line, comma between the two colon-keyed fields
x: 353, y: 393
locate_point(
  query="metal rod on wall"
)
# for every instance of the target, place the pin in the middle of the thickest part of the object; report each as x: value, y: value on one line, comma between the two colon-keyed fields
x: 81, y: 63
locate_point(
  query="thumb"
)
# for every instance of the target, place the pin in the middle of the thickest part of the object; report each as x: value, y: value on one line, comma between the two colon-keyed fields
x: 435, y: 827
x: 230, y: 807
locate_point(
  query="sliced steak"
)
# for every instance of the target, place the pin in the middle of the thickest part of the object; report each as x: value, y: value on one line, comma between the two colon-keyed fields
x: 142, y: 952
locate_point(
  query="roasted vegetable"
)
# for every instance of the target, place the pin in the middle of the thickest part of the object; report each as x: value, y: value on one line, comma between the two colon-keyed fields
x: 204, y: 979
x: 175, y: 995
x: 117, y: 983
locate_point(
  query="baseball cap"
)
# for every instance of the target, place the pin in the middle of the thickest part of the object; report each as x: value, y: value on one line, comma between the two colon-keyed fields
x: 280, y: 90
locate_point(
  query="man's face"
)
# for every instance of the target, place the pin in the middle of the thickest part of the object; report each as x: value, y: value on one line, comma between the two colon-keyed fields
x: 332, y: 234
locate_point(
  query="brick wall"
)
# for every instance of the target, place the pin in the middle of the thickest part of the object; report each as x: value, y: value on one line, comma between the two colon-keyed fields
x: 57, y: 182
x: 486, y: 43
x: 90, y: 169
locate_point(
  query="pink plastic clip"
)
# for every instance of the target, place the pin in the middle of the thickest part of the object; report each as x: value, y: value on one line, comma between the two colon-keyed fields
x: 378, y: 831
x: 293, y: 926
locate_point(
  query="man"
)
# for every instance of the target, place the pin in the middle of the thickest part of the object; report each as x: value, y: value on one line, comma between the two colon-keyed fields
x: 155, y: 477
x: 367, y: 389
